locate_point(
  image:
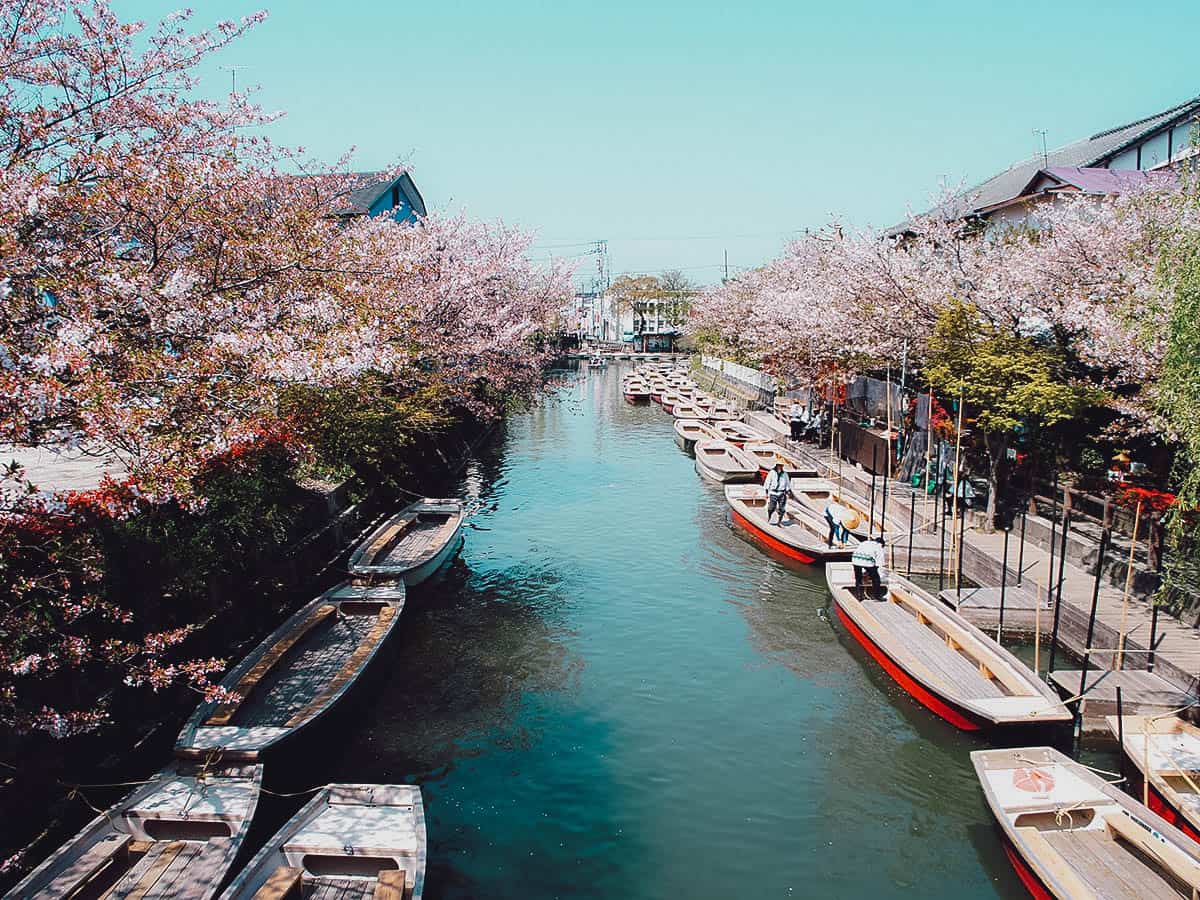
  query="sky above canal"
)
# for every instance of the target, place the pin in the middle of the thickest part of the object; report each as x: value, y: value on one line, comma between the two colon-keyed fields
x: 677, y: 130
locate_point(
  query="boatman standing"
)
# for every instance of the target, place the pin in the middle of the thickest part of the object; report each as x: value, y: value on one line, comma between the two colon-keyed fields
x: 797, y: 419
x: 867, y: 561
x: 777, y: 486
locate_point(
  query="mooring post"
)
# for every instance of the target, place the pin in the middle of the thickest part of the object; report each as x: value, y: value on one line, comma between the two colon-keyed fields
x: 912, y: 519
x: 1021, y: 548
x: 1003, y: 584
x: 1091, y: 630
x: 1053, y: 528
x: 1056, y: 596
x: 1121, y: 728
x: 883, y: 505
x: 1153, y: 635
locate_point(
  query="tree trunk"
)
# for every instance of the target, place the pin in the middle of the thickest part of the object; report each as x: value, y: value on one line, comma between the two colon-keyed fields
x: 996, y: 445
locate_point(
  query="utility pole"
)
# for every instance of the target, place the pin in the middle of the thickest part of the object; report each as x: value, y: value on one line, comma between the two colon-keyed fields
x: 726, y: 265
x: 233, y: 70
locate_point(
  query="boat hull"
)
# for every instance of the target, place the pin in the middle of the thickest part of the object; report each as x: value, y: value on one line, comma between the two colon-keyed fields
x: 423, y: 572
x: 941, y: 706
x: 792, y: 553
x: 721, y: 476
x: 1161, y: 805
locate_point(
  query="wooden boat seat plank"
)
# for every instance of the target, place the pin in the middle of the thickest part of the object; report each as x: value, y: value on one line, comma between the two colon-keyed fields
x: 391, y: 885
x: 349, y: 669
x: 283, y: 884
x: 341, y: 889
x: 248, y: 682
x: 932, y: 651
x: 1109, y: 868
x: 85, y: 867
x: 142, y: 879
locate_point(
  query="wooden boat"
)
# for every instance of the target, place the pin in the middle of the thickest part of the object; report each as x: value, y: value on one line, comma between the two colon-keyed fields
x: 636, y: 391
x: 690, y: 411
x: 296, y: 675
x: 815, y: 494
x: 1071, y: 834
x: 350, y: 842
x: 688, y: 431
x: 722, y: 462
x: 412, y: 544
x: 141, y: 846
x: 1171, y: 754
x: 670, y: 397
x: 800, y: 538
x: 737, y: 433
x: 768, y: 453
x: 719, y: 411
x: 941, y: 659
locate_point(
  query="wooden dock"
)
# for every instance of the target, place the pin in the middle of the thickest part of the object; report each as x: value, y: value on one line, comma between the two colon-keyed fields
x: 981, y: 607
x: 1142, y: 693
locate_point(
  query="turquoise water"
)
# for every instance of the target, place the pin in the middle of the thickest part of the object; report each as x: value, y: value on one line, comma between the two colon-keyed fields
x: 613, y: 694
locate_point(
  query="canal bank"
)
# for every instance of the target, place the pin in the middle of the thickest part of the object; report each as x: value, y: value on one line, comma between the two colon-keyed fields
x: 611, y: 691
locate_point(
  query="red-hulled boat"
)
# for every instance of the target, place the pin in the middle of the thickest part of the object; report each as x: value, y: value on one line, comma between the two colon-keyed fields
x: 942, y: 660
x: 799, y: 539
x: 1170, y: 753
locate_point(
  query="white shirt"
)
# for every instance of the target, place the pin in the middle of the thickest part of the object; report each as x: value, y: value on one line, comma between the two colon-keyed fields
x: 797, y: 412
x: 836, y: 511
x: 868, y: 553
x: 777, y: 482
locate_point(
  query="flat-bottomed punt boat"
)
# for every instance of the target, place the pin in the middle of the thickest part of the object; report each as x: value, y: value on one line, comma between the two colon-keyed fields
x: 687, y: 410
x: 412, y: 544
x: 350, y: 842
x: 800, y: 537
x: 1171, y: 756
x: 1070, y: 834
x: 174, y: 837
x: 737, y: 433
x: 722, y: 462
x: 636, y: 391
x: 816, y: 494
x: 942, y: 660
x: 688, y: 431
x: 768, y: 453
x: 296, y: 675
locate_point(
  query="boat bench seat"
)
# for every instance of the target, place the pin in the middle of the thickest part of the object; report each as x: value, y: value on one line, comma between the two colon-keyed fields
x: 248, y: 682
x: 86, y: 867
x: 931, y: 650
x: 283, y: 884
x: 391, y: 885
x: 383, y: 542
x: 349, y: 669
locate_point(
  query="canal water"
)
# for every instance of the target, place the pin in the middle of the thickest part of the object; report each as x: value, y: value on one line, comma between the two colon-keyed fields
x: 611, y: 693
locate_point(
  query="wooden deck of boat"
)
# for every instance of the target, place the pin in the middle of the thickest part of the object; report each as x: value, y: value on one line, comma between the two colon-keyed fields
x: 421, y: 540
x: 339, y: 889
x: 1111, y: 868
x: 288, y: 688
x: 181, y: 870
x: 932, y: 651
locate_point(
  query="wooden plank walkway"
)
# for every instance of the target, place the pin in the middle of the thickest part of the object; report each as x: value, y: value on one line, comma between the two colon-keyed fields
x: 981, y: 607
x: 1142, y: 693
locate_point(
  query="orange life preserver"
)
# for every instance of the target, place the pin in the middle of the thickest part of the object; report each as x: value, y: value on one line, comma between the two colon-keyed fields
x: 1035, y: 781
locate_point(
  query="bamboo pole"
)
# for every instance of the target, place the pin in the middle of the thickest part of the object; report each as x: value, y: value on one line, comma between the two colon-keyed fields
x: 1137, y: 518
x: 887, y: 468
x: 954, y: 493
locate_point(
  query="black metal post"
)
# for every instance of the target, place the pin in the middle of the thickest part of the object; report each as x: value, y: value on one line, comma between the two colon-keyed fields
x: 1003, y: 584
x: 1053, y: 527
x: 1091, y: 631
x: 1121, y: 730
x: 1021, y: 548
x: 871, y: 518
x: 1153, y: 635
x: 1058, y: 602
x: 912, y: 521
x: 962, y: 531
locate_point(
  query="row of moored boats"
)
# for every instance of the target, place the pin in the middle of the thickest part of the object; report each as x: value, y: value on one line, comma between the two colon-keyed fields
x: 1068, y: 831
x: 180, y: 834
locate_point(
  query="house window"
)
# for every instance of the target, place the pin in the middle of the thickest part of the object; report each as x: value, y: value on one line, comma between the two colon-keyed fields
x: 1126, y: 160
x: 1181, y: 140
x: 1154, y: 151
x: 395, y: 195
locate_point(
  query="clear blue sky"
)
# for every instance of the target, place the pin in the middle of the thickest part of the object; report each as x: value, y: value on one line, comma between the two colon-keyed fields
x: 679, y: 130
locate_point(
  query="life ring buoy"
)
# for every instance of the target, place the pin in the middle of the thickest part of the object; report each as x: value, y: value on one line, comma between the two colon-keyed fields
x: 1035, y: 781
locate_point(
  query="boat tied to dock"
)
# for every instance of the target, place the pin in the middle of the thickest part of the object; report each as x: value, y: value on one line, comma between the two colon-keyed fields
x: 412, y: 544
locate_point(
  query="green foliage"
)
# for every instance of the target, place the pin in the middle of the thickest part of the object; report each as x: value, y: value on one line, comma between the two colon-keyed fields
x: 1006, y: 379
x: 363, y: 428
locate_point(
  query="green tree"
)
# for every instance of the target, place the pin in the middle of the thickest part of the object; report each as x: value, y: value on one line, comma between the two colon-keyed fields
x: 1005, y: 379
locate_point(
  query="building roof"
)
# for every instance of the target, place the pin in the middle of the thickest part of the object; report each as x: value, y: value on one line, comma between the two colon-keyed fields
x: 1075, y: 179
x: 360, y: 201
x: 1086, y: 153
